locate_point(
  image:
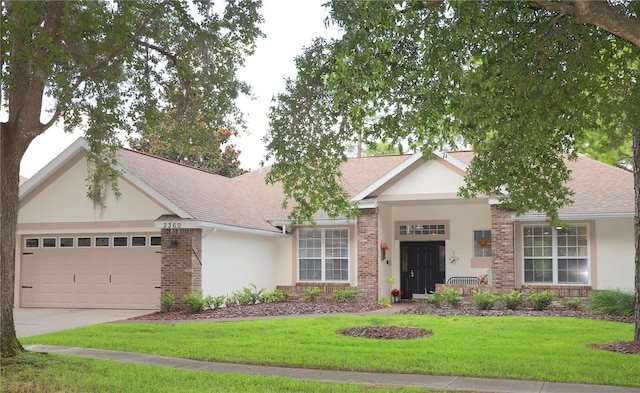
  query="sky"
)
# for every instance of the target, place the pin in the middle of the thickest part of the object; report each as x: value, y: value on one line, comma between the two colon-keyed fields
x: 289, y: 26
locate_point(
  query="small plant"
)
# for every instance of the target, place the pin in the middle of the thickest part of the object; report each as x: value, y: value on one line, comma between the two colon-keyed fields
x: 396, y: 293
x: 312, y: 294
x: 435, y: 299
x: 167, y: 302
x: 384, y: 301
x: 247, y: 296
x: 542, y: 300
x: 342, y: 296
x: 231, y: 301
x: 511, y: 300
x: 572, y: 304
x: 612, y: 302
x: 276, y: 296
x: 452, y: 296
x: 484, y: 300
x: 196, y: 302
x: 218, y: 301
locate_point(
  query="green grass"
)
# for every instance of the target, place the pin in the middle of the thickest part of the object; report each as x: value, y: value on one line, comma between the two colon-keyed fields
x: 612, y: 302
x: 37, y: 373
x: 550, y: 349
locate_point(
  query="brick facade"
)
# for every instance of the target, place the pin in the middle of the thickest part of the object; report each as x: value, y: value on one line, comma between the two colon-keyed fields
x: 502, y: 242
x: 368, y: 255
x: 181, y: 269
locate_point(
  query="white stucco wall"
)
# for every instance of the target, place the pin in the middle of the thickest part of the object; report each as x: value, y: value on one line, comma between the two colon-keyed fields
x: 65, y: 200
x: 616, y: 254
x: 232, y: 261
x: 433, y: 177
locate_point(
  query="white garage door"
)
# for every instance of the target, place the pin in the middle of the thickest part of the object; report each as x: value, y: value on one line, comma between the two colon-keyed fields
x: 91, y: 271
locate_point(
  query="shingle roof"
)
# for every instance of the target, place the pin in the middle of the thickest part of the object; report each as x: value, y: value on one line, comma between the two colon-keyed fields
x: 599, y: 188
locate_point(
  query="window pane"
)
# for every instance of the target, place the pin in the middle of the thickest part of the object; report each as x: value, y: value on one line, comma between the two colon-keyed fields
x: 66, y: 242
x: 84, y: 242
x: 138, y: 241
x: 32, y: 242
x: 102, y: 241
x: 48, y: 242
x: 120, y: 241
x: 155, y: 240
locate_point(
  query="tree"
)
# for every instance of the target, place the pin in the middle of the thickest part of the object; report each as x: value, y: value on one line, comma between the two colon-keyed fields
x: 191, y: 138
x: 521, y: 82
x: 99, y: 66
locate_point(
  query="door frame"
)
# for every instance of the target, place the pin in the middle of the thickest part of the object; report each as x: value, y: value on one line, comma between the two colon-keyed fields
x: 429, y: 276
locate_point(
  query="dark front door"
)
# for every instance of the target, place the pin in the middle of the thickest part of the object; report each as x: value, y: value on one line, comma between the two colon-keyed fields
x: 421, y: 267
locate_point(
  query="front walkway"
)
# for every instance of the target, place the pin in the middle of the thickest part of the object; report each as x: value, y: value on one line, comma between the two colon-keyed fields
x: 365, y: 378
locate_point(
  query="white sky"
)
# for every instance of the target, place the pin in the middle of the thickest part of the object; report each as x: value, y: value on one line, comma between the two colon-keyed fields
x: 289, y: 25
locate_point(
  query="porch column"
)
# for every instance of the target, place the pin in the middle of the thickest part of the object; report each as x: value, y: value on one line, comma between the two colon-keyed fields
x: 502, y: 252
x: 368, y: 255
x: 181, y: 270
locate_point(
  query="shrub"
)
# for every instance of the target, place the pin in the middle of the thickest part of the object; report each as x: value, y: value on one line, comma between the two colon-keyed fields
x: 218, y: 301
x: 612, y: 302
x: 247, y: 296
x: 540, y: 301
x: 167, y: 302
x: 312, y: 294
x: 196, y: 302
x: 276, y: 296
x: 484, y: 300
x: 511, y: 300
x: 572, y: 304
x: 452, y: 296
x: 435, y: 299
x: 231, y: 301
x: 384, y: 301
x: 342, y: 296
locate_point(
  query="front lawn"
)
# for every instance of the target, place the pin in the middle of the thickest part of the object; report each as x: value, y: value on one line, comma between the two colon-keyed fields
x: 530, y: 348
x: 37, y: 373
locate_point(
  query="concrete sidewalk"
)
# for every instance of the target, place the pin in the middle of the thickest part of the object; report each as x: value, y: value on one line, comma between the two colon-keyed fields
x: 365, y: 378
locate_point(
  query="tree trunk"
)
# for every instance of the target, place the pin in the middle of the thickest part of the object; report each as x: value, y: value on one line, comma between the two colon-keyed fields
x: 636, y: 186
x: 12, y: 149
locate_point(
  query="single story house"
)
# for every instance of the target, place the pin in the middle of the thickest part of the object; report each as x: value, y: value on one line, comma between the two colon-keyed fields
x: 176, y: 229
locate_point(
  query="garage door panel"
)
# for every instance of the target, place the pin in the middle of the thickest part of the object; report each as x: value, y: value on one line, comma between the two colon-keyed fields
x: 109, y: 277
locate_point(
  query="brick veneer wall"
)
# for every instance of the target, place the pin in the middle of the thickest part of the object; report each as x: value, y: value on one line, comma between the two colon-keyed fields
x: 502, y: 253
x: 368, y: 255
x: 181, y: 271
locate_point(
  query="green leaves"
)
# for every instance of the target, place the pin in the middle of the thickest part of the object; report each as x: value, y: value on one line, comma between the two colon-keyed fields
x: 522, y: 85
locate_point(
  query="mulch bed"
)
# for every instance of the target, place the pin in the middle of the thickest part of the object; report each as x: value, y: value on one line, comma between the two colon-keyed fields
x: 388, y: 332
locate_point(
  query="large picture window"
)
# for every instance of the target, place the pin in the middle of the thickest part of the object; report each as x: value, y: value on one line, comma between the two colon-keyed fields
x: 323, y: 254
x: 556, y: 255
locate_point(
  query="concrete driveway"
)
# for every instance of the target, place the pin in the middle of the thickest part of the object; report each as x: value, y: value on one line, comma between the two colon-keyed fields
x: 34, y: 321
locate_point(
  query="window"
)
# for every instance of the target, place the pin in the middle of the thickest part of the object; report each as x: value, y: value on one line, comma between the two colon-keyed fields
x: 84, y: 242
x: 424, y: 229
x: 138, y: 241
x: 482, y: 243
x: 102, y: 241
x: 66, y: 242
x: 120, y: 241
x: 48, y: 242
x: 323, y: 254
x: 556, y: 255
x: 155, y: 240
x: 32, y: 242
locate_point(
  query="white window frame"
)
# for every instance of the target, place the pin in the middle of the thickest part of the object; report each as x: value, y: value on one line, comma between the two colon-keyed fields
x: 323, y: 255
x: 485, y: 252
x: 555, y: 255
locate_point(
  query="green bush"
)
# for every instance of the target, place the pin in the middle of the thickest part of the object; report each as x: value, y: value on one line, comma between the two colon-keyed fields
x: 276, y: 296
x: 435, y: 299
x: 312, y: 294
x: 218, y: 301
x: 167, y: 302
x: 345, y: 295
x: 572, y: 304
x: 452, y: 296
x: 247, y: 296
x: 540, y: 301
x: 384, y: 301
x: 511, y: 300
x: 484, y: 300
x: 231, y: 301
x: 612, y: 302
x: 196, y: 302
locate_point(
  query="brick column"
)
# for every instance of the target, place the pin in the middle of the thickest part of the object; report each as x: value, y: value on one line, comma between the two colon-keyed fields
x: 368, y: 255
x: 502, y: 252
x: 181, y: 271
